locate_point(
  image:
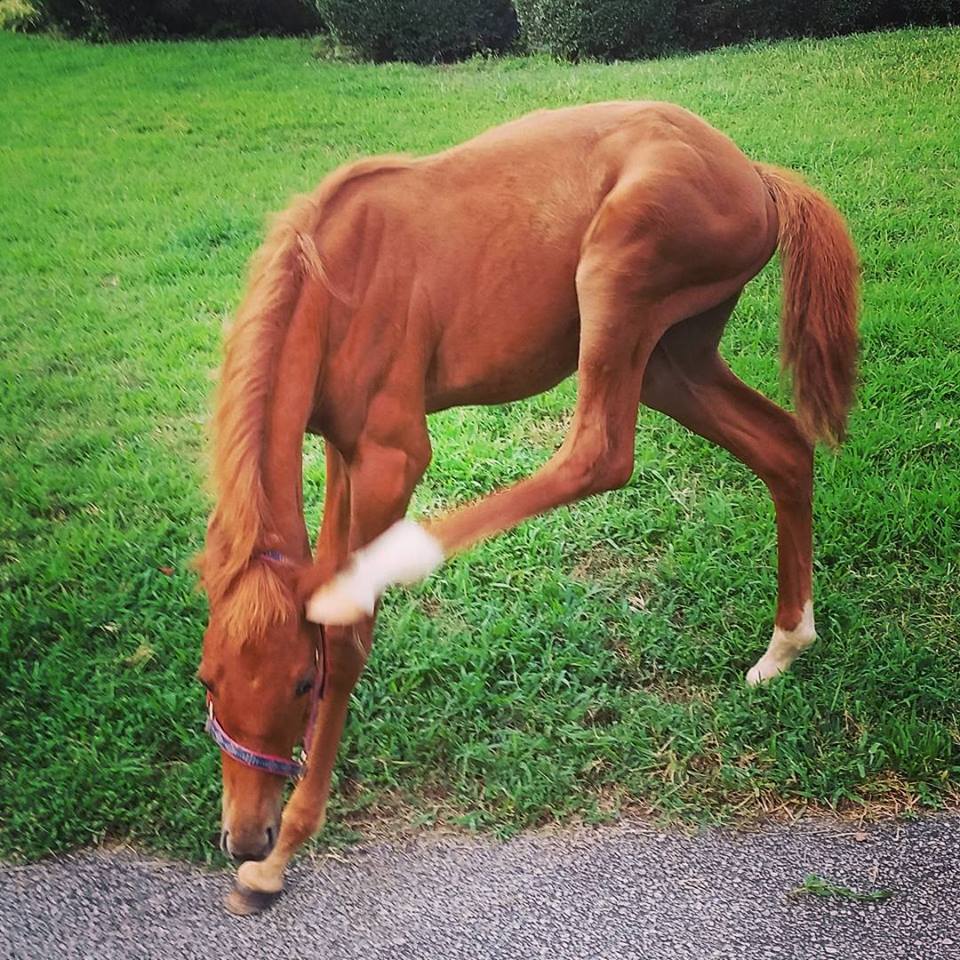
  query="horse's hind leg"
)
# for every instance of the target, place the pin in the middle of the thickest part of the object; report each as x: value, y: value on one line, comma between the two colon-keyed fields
x: 689, y: 381
x: 596, y: 455
x: 640, y: 272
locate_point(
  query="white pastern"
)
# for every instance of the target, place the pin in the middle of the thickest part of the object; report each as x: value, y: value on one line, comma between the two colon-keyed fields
x: 403, y: 554
x: 261, y: 876
x: 784, y: 648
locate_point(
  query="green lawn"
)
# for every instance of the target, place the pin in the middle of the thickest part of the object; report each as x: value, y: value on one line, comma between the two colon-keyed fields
x: 590, y: 660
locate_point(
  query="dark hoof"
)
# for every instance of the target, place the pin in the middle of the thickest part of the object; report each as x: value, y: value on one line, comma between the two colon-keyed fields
x: 241, y: 901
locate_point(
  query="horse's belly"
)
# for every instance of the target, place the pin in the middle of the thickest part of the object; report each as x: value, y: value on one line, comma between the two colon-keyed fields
x: 504, y: 357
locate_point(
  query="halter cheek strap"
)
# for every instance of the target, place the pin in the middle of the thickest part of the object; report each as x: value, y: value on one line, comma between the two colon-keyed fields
x: 268, y: 762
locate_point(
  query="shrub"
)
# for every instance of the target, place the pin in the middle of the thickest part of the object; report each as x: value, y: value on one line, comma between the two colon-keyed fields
x: 18, y: 15
x: 729, y: 21
x: 120, y: 20
x: 605, y: 29
x: 423, y: 31
x: 622, y: 29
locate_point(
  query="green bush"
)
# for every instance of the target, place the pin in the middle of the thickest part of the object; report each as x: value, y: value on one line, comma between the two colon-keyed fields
x: 626, y: 29
x: 18, y: 15
x: 120, y: 20
x: 604, y: 29
x: 422, y: 31
x: 730, y: 21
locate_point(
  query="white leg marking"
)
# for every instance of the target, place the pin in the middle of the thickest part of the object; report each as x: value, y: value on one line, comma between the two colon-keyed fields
x: 784, y: 648
x: 258, y: 875
x: 403, y: 554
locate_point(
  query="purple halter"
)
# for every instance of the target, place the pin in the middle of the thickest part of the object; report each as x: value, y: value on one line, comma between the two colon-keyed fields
x: 268, y: 762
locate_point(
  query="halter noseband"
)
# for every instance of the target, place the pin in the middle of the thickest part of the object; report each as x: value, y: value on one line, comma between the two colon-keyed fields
x: 268, y: 762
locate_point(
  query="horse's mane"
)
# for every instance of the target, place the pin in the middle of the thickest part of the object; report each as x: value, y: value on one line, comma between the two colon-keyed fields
x: 240, y: 525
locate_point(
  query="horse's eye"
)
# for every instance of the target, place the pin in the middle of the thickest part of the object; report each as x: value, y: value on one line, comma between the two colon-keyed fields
x: 304, y: 686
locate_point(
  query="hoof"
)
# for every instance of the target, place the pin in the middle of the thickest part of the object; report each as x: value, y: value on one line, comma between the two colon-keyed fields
x: 241, y: 901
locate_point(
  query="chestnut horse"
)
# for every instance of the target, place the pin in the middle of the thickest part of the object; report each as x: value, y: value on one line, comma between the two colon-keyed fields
x: 611, y: 239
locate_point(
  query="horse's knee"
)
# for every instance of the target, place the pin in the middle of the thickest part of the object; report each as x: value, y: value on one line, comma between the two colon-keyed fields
x: 613, y: 472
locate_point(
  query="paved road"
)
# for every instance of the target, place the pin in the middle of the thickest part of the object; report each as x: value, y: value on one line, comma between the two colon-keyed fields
x: 617, y: 893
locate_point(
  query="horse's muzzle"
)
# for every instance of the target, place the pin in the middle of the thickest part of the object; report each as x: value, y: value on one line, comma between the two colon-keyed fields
x: 242, y: 848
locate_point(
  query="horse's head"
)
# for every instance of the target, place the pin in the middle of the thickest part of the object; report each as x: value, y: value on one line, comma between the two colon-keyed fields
x: 261, y: 671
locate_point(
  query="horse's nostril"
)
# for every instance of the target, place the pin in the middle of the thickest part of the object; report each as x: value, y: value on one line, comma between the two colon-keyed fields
x: 223, y: 842
x: 270, y: 837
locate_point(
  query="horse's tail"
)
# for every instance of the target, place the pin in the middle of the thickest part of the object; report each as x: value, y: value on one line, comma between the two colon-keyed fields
x: 818, y: 328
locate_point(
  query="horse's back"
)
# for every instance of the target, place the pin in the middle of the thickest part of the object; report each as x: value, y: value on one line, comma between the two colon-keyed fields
x: 479, y: 245
x: 537, y: 183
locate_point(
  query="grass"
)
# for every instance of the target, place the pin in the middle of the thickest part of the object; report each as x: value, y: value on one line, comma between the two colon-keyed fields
x: 594, y: 658
x: 815, y: 886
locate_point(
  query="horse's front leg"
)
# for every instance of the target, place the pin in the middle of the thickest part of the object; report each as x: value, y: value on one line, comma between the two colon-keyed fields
x: 260, y: 882
x: 369, y: 495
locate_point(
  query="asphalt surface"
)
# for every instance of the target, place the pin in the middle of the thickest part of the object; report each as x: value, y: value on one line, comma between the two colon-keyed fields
x: 618, y: 893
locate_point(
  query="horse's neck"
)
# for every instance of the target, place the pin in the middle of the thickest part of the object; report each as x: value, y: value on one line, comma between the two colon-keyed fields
x: 293, y: 391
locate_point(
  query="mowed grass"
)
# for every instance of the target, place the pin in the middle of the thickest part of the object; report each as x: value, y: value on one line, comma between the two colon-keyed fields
x: 594, y: 658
